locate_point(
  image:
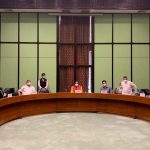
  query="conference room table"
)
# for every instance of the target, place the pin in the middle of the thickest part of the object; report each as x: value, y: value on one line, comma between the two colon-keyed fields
x: 16, y: 107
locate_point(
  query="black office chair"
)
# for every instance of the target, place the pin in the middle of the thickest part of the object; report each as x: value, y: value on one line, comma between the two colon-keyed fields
x: 146, y: 91
x: 1, y: 93
x: 9, y: 91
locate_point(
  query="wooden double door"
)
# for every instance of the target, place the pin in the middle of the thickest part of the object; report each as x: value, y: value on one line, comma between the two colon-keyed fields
x: 75, y: 52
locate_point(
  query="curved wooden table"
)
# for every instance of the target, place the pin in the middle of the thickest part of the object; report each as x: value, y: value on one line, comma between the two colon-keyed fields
x: 21, y: 106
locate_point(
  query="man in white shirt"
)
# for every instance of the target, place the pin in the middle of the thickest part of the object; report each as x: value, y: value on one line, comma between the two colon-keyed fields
x: 128, y: 87
x: 27, y: 89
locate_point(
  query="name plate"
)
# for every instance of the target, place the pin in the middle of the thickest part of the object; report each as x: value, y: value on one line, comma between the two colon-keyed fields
x: 104, y: 91
x: 78, y: 91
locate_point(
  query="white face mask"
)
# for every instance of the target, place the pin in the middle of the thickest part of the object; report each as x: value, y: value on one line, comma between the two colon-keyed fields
x: 125, y: 81
x: 104, y: 84
x: 29, y: 84
x: 76, y: 84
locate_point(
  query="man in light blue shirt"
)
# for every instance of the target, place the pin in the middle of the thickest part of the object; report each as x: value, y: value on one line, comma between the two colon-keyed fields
x: 104, y: 88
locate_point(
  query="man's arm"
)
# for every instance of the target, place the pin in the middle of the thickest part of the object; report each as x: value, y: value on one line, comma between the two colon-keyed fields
x: 72, y: 89
x: 20, y: 91
x: 46, y: 84
x: 110, y: 90
x: 134, y: 88
x: 33, y: 90
x: 39, y: 84
x: 81, y: 89
x: 133, y: 85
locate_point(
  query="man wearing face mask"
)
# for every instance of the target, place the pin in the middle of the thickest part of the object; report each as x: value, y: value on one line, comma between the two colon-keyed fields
x: 43, y: 84
x: 128, y: 87
x: 27, y: 89
x: 76, y: 88
x: 104, y: 88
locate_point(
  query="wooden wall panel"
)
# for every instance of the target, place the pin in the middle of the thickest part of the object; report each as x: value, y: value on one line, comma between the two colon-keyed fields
x: 76, y: 4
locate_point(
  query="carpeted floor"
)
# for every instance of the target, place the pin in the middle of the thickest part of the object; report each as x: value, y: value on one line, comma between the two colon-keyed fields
x: 75, y: 131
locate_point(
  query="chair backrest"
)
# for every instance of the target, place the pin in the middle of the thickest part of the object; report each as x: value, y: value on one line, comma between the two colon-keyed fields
x: 1, y: 93
x: 146, y: 91
x: 9, y: 90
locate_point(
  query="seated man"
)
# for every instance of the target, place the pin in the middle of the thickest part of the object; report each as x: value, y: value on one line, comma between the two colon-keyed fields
x: 128, y: 87
x: 27, y: 89
x: 43, y: 84
x: 104, y: 88
x: 76, y: 88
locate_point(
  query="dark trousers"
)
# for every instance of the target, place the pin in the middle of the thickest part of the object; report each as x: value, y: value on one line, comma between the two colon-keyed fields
x: 43, y: 90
